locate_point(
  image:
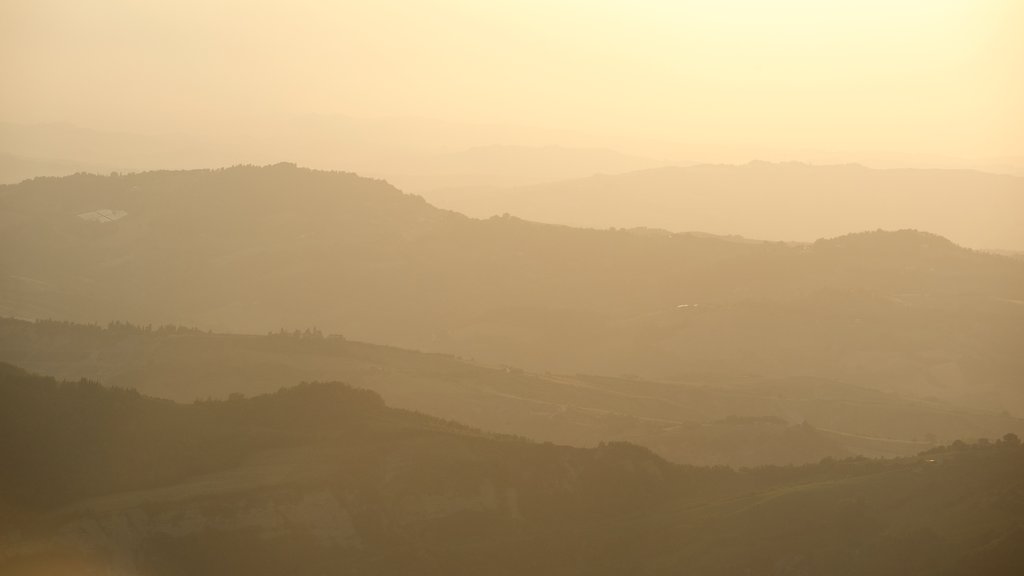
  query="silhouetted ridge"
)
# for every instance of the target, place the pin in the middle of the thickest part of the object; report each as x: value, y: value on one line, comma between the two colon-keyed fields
x: 278, y: 191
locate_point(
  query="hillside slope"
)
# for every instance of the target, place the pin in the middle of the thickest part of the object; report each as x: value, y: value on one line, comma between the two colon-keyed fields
x: 325, y: 478
x: 738, y: 422
x: 252, y: 249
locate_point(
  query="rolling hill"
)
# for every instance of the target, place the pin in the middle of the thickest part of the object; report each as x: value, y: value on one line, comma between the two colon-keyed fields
x: 326, y: 478
x: 257, y: 249
x: 740, y: 422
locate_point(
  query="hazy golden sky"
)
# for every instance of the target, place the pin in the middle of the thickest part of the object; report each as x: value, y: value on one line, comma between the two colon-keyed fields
x: 916, y: 76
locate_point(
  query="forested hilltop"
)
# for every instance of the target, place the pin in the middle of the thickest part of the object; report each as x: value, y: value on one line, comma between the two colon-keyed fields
x: 256, y: 249
x: 324, y: 477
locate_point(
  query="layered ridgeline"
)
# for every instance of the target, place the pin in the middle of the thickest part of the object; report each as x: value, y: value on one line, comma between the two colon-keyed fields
x: 740, y: 422
x: 252, y: 249
x: 324, y: 478
x: 784, y: 201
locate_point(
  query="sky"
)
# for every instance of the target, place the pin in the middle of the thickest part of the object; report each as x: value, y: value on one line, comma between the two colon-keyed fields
x: 935, y: 77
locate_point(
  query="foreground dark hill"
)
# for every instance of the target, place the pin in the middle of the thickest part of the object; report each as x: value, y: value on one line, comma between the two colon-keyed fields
x: 784, y: 201
x: 323, y: 478
x: 741, y: 422
x: 256, y: 249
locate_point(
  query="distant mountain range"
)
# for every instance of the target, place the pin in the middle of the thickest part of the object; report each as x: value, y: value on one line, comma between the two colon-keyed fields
x: 784, y: 201
x: 416, y: 155
x: 508, y: 166
x: 324, y: 478
x: 459, y: 167
x: 251, y: 249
